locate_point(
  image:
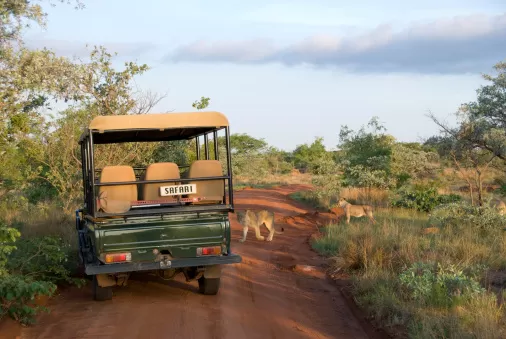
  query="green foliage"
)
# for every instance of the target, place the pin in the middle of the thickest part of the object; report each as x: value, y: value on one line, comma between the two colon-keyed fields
x: 438, y: 285
x: 326, y: 180
x: 440, y: 144
x: 178, y: 151
x: 365, y: 156
x: 371, y: 158
x: 411, y: 162
x: 308, y: 157
x: 100, y: 90
x: 43, y: 258
x: 395, y: 278
x: 502, y: 190
x: 25, y: 76
x: 29, y: 268
x: 366, y: 176
x: 17, y: 297
x: 484, y: 120
x: 461, y: 214
x: 422, y: 199
x: 277, y: 161
x: 252, y: 157
x: 16, y: 15
x: 203, y: 103
x: 8, y: 236
x: 246, y: 145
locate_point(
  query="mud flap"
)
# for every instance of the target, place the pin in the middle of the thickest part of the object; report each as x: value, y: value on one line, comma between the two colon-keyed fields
x: 105, y: 280
x: 212, y: 272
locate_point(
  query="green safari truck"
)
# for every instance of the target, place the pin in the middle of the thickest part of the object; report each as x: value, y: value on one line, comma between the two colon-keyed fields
x: 167, y: 217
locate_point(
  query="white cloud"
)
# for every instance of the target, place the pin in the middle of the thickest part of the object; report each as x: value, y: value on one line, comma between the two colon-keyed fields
x: 466, y: 44
x: 240, y: 51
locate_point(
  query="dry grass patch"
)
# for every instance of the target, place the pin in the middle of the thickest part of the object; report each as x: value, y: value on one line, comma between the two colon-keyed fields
x: 431, y: 284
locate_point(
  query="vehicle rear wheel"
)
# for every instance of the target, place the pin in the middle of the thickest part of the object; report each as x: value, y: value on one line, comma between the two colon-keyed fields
x: 209, y: 286
x: 101, y: 293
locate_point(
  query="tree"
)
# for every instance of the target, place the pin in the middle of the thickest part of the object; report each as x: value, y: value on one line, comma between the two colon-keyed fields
x: 245, y: 145
x: 183, y: 151
x: 308, y: 157
x: 365, y: 156
x: 326, y: 180
x: 411, y: 162
x: 440, y: 144
x: 8, y: 237
x: 278, y: 161
x: 145, y: 101
x: 36, y: 148
x: 480, y: 137
x: 483, y: 122
x: 59, y: 157
x: 201, y: 104
x: 28, y: 79
x: 471, y: 164
x: 16, y: 13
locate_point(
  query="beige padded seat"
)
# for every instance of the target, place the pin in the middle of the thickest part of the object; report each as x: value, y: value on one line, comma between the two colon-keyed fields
x: 211, y: 190
x: 117, y: 199
x: 159, y: 171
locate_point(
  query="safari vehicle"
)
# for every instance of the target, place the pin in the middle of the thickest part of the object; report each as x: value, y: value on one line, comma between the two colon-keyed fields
x: 166, y: 218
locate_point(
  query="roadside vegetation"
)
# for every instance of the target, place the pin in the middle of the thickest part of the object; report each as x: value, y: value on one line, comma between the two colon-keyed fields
x: 433, y: 266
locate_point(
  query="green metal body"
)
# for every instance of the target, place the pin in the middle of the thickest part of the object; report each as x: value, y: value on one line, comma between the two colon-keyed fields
x: 173, y: 237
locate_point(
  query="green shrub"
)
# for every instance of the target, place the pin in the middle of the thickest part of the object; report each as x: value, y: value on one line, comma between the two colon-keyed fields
x: 8, y: 236
x: 438, y: 286
x: 17, y: 297
x: 460, y: 214
x: 43, y: 258
x: 30, y: 268
x: 422, y: 199
x: 395, y: 278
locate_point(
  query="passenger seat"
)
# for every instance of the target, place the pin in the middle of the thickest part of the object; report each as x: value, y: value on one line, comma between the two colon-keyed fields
x: 211, y: 191
x: 159, y: 171
x: 117, y: 199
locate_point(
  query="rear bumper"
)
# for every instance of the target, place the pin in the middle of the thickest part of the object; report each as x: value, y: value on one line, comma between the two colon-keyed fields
x: 175, y: 263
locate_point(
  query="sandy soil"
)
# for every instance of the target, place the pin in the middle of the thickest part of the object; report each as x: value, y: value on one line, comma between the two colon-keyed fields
x: 271, y: 294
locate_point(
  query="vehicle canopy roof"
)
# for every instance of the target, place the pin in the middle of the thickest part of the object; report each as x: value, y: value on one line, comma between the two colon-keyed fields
x: 153, y: 126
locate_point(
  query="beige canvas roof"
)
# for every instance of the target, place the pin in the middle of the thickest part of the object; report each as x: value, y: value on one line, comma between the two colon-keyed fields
x: 159, y: 121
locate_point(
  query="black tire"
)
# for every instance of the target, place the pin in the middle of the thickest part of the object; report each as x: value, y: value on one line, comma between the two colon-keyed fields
x: 101, y: 293
x: 209, y: 286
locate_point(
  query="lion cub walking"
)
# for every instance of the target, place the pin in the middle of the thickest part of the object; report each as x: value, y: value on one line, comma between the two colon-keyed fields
x: 355, y: 210
x: 255, y: 219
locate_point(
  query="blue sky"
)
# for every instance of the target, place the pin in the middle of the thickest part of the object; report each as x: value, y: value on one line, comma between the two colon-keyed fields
x: 289, y: 71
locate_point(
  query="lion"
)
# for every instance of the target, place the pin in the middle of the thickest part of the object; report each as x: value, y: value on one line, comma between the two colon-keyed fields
x: 355, y: 210
x: 256, y: 219
x: 499, y: 205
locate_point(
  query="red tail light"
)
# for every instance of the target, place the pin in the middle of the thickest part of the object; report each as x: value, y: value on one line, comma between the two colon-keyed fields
x: 118, y: 257
x: 215, y: 250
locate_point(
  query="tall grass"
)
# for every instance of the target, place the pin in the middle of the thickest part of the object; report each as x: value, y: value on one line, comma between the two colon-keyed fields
x: 371, y: 196
x: 355, y: 195
x: 385, y: 261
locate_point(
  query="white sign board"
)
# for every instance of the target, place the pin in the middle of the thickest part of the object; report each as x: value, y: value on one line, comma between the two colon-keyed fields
x: 167, y: 191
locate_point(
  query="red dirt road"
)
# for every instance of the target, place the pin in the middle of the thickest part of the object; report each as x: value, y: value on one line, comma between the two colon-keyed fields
x: 260, y: 298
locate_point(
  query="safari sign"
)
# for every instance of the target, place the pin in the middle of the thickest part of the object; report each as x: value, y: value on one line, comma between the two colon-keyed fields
x: 178, y: 190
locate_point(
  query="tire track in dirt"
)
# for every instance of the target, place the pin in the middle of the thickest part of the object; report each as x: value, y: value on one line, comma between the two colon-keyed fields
x: 260, y: 298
